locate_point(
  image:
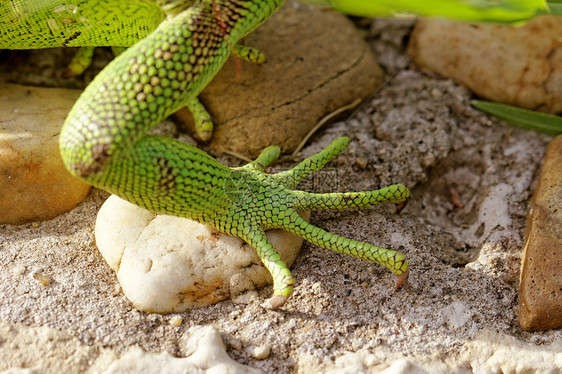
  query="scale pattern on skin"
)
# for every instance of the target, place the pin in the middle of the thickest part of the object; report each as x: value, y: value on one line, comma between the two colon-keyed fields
x: 104, y: 142
x: 33, y: 24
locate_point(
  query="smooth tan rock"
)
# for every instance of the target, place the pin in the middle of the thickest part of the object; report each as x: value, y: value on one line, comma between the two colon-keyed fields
x: 540, y: 293
x: 168, y: 264
x: 515, y: 65
x: 34, y: 184
x: 316, y: 62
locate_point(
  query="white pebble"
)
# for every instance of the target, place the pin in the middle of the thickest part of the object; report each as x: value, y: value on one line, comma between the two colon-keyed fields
x: 18, y: 270
x: 261, y: 352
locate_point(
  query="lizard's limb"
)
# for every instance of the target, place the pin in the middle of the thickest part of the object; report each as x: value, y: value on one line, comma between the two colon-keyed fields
x: 83, y: 59
x: 266, y: 157
x: 394, y: 261
x: 249, y: 54
x: 397, y: 193
x: 290, y: 178
x: 201, y: 118
x: 79, y: 62
x: 283, y: 280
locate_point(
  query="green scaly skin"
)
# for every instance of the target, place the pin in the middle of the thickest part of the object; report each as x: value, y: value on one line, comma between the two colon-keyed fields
x: 104, y: 142
x: 33, y: 24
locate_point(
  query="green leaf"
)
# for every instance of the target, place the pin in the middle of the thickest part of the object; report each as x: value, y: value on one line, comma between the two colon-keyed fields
x: 522, y: 118
x: 466, y: 10
x: 555, y: 7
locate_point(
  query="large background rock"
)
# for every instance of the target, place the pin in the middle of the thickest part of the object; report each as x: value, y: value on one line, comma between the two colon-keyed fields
x: 34, y: 184
x: 540, y: 295
x: 515, y: 65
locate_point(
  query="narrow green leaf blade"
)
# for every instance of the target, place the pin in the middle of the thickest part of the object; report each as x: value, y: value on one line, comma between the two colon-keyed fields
x: 555, y: 7
x: 465, y: 10
x: 522, y: 118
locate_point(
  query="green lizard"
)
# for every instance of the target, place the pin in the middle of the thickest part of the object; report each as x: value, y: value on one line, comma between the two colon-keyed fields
x: 104, y: 140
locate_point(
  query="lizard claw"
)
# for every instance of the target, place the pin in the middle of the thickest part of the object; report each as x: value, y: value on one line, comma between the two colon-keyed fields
x: 402, y: 279
x: 401, y: 206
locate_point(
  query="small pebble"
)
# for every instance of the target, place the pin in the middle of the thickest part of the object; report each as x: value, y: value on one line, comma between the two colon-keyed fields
x: 117, y: 289
x: 361, y: 162
x: 437, y: 94
x: 261, y: 352
x: 18, y: 270
x: 245, y: 298
x: 45, y: 281
x: 176, y: 321
x: 235, y: 344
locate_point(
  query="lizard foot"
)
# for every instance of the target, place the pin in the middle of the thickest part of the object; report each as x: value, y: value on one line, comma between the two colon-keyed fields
x: 269, y: 201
